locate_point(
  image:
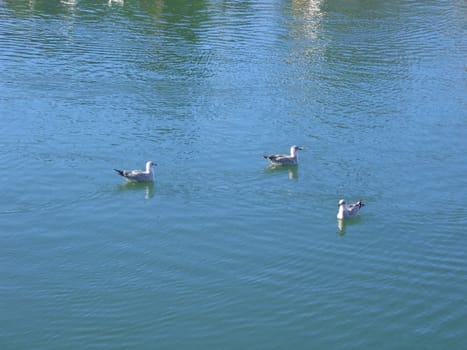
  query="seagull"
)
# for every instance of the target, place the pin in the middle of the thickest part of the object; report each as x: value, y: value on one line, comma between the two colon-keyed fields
x: 284, y: 159
x: 139, y: 175
x: 348, y: 211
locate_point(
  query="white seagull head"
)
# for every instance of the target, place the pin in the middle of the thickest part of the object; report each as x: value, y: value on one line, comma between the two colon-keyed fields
x: 149, y: 165
x: 295, y: 148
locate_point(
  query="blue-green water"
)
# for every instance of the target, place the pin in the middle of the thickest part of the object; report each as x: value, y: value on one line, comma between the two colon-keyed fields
x: 223, y: 253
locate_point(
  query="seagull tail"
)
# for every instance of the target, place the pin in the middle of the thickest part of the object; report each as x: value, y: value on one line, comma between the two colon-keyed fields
x: 360, y: 204
x: 120, y: 172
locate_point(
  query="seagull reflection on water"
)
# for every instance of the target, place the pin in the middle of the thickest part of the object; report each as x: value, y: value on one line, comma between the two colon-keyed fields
x: 117, y: 2
x: 342, y: 224
x: 148, y: 188
x: 291, y: 170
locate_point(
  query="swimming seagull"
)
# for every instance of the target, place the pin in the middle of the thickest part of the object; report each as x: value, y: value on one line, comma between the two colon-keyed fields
x: 139, y: 175
x: 348, y: 211
x: 284, y: 159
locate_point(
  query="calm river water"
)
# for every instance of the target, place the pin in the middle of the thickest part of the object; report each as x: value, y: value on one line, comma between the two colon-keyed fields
x: 223, y: 252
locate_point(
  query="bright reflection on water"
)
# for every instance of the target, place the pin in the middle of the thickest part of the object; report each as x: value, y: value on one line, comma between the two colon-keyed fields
x: 223, y: 251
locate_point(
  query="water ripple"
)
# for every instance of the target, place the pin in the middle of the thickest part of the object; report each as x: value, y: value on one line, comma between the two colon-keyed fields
x: 222, y: 252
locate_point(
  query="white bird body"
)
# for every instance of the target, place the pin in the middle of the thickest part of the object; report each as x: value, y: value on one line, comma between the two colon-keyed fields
x: 139, y: 175
x: 285, y: 159
x: 348, y: 211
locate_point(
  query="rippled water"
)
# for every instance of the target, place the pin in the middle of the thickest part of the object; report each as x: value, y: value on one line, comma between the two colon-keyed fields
x: 222, y: 252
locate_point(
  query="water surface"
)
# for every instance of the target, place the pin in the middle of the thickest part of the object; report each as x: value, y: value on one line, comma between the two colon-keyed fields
x: 222, y: 252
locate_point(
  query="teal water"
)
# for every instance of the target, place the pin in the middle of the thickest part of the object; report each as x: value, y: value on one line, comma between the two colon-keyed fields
x: 222, y: 252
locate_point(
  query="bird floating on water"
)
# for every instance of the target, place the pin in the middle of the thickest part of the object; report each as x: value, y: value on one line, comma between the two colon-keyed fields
x: 348, y: 211
x: 284, y: 159
x: 139, y: 175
